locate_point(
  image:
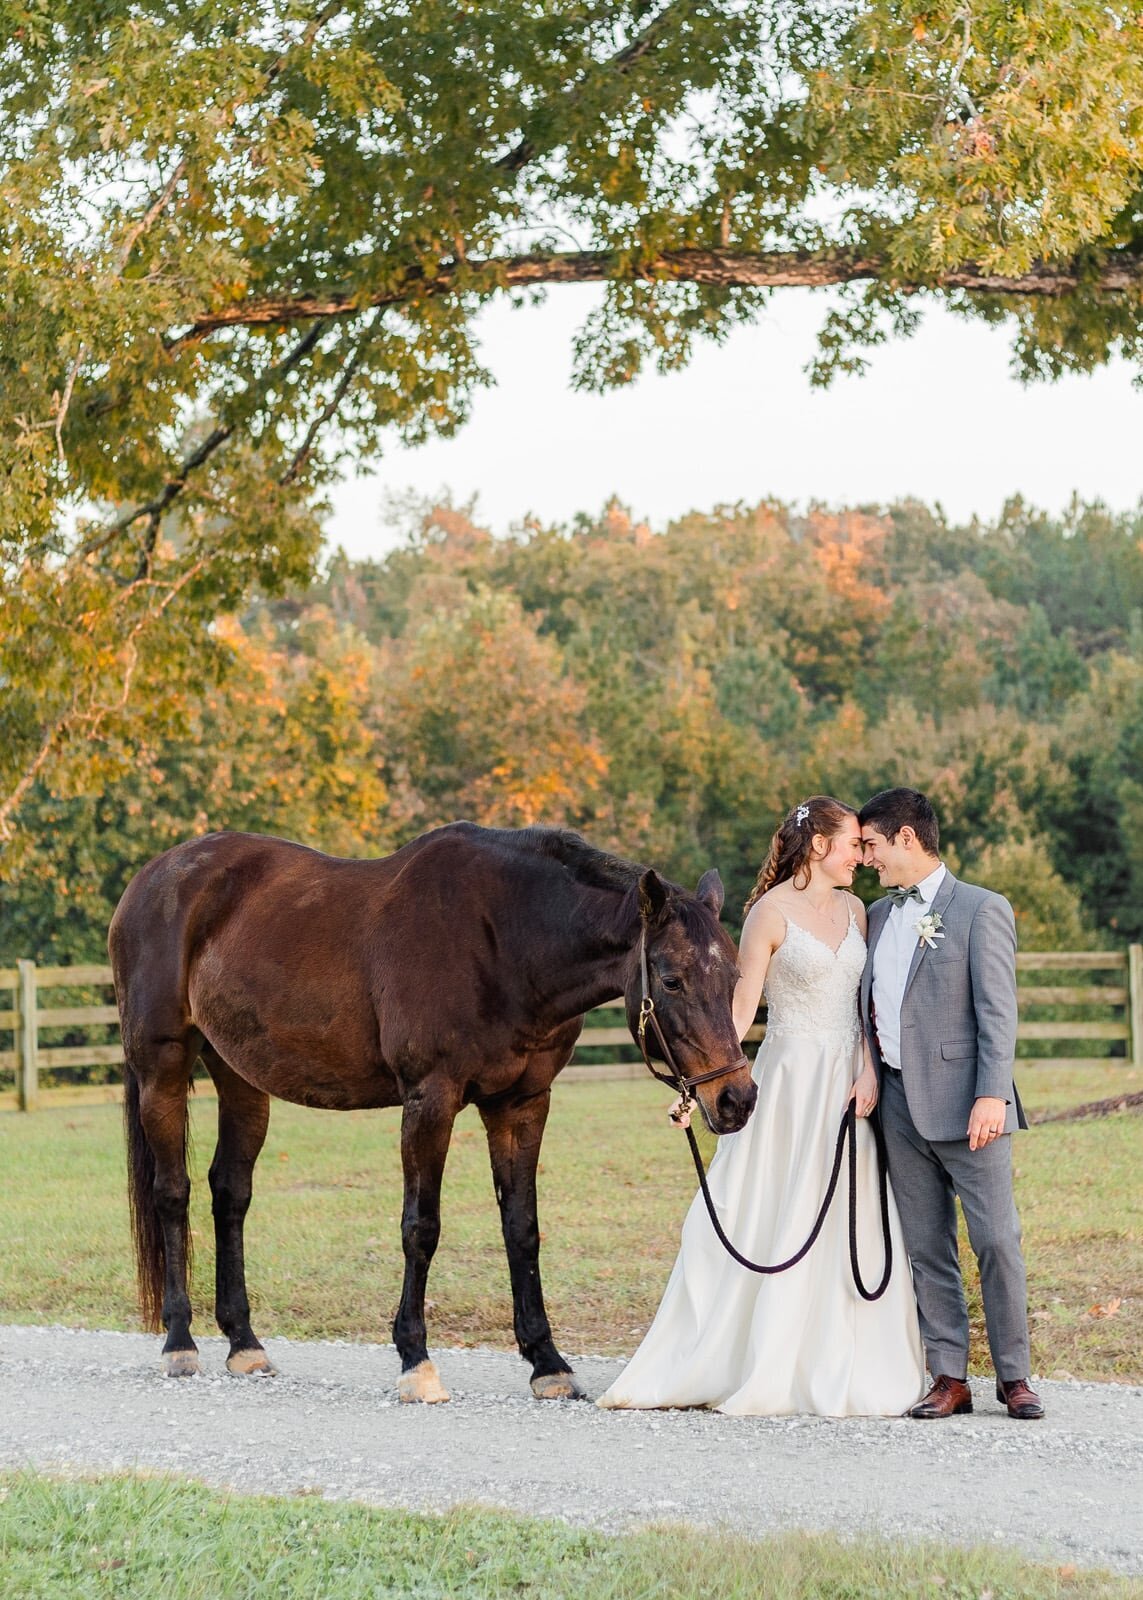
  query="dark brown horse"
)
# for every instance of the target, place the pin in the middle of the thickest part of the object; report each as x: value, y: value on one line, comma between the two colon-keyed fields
x: 457, y: 970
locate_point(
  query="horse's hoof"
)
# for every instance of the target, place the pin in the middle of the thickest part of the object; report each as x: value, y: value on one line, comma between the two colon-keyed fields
x: 180, y: 1363
x: 422, y: 1383
x: 251, y: 1364
x: 558, y: 1386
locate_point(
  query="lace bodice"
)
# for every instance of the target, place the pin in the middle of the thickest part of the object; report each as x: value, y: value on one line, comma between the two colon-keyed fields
x: 810, y: 988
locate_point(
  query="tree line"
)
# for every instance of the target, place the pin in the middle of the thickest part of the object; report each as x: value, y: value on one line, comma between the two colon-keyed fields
x: 669, y: 694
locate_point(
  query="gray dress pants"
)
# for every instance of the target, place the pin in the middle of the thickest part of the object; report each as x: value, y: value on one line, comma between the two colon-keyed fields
x: 927, y: 1178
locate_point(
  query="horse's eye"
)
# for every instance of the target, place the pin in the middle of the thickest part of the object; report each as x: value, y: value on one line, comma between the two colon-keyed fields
x: 671, y: 985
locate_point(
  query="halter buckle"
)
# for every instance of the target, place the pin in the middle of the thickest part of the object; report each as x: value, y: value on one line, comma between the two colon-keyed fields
x: 646, y: 1009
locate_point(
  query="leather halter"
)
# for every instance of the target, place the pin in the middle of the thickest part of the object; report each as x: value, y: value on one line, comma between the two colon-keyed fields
x: 647, y: 1014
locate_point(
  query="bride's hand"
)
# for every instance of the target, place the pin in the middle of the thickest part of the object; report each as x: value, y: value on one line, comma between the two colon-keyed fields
x: 864, y: 1091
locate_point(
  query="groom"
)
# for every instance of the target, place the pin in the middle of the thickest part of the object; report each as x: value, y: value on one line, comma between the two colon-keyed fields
x: 938, y: 1005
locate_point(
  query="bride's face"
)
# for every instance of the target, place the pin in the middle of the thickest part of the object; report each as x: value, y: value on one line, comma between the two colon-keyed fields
x: 842, y: 855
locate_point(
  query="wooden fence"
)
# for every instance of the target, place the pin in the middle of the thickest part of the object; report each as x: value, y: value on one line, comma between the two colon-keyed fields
x: 1109, y: 994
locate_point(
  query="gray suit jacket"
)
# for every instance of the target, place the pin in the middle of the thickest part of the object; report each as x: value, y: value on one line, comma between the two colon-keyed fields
x: 958, y: 1015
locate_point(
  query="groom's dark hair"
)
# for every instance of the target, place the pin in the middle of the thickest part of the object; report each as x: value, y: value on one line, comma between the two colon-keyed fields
x: 894, y: 809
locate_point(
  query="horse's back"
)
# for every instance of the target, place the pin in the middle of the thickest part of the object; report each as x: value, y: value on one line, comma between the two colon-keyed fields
x: 320, y: 978
x: 188, y: 890
x: 188, y: 893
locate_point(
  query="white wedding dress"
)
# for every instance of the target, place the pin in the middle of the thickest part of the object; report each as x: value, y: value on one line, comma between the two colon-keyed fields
x: 803, y: 1340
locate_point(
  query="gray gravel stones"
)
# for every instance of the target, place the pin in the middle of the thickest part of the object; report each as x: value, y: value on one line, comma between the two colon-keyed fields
x: 1068, y: 1489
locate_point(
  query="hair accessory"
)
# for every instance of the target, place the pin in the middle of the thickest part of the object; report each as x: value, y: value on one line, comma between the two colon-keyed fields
x: 801, y: 814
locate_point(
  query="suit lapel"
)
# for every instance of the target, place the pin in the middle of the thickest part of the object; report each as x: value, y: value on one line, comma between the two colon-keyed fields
x: 940, y: 900
x: 876, y: 925
x: 876, y: 922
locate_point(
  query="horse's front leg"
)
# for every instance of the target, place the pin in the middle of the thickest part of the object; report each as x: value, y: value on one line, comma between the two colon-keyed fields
x: 515, y: 1129
x: 426, y: 1127
x: 243, y: 1118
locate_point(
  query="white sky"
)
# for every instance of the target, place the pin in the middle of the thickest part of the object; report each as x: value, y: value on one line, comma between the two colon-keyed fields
x: 938, y: 417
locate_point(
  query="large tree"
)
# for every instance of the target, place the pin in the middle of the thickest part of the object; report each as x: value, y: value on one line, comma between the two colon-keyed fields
x: 227, y: 231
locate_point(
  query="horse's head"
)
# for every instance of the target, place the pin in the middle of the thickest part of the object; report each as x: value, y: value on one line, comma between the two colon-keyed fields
x: 691, y: 973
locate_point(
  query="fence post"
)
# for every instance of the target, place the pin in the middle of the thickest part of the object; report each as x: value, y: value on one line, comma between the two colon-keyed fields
x: 1135, y: 1002
x: 27, y: 1042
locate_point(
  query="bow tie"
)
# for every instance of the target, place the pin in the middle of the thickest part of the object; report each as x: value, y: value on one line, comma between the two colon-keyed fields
x: 900, y: 897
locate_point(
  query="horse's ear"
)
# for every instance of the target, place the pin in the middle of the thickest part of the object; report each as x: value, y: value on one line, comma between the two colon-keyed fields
x: 710, y: 890
x: 653, y: 896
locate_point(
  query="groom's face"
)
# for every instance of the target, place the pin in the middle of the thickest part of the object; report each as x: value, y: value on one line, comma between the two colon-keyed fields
x: 893, y: 863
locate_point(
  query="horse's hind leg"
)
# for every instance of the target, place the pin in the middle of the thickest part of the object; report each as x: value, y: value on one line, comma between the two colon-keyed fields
x: 426, y: 1127
x: 515, y: 1129
x: 243, y: 1117
x: 157, y: 1081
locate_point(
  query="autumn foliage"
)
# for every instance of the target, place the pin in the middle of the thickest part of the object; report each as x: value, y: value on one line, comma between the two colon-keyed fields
x: 668, y: 693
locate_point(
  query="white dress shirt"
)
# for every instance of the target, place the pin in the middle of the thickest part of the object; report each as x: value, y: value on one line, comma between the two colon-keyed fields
x: 891, y: 962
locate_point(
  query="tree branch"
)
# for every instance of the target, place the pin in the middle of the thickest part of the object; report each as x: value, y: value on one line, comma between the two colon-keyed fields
x: 725, y: 269
x: 162, y: 200
x: 348, y: 373
x: 272, y: 73
x: 174, y: 486
x: 142, y: 226
x: 155, y: 508
x: 147, y: 221
x: 621, y: 63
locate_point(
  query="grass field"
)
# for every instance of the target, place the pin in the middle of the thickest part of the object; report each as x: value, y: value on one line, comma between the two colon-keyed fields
x: 323, y: 1249
x: 130, y: 1537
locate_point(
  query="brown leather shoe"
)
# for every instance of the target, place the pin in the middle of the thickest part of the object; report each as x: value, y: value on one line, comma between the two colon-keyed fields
x: 1022, y: 1403
x: 948, y: 1397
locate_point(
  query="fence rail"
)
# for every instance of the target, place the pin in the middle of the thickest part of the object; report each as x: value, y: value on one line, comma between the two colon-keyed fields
x: 27, y: 1057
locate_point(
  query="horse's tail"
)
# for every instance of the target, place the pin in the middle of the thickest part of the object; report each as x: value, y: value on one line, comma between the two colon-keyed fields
x: 146, y: 1229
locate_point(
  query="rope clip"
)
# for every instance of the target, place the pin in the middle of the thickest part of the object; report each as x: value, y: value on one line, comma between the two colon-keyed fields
x: 680, y: 1112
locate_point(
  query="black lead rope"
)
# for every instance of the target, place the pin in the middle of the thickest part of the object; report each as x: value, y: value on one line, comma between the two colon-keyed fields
x: 847, y: 1130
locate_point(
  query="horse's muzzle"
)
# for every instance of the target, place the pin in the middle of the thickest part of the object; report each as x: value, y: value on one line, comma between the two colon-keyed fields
x: 733, y: 1105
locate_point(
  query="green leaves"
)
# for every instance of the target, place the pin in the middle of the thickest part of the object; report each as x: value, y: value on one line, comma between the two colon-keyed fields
x: 993, y: 134
x: 234, y: 172
x: 227, y: 233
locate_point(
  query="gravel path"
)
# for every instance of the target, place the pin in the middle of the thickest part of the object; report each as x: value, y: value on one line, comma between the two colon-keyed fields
x: 1068, y: 1489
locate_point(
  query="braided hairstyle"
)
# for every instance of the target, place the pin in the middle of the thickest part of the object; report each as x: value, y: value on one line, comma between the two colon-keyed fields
x: 791, y: 848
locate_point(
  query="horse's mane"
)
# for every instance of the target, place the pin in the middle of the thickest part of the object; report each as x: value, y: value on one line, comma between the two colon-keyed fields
x: 595, y: 869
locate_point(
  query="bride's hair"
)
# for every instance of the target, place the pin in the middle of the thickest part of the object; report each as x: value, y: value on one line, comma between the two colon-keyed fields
x: 792, y: 847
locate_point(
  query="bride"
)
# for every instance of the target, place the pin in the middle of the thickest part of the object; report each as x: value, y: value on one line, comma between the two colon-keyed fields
x: 802, y: 1340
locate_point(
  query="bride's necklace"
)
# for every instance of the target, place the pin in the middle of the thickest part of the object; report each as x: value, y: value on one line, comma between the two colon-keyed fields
x: 826, y: 915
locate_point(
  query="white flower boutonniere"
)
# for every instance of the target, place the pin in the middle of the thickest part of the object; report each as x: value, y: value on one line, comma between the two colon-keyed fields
x: 928, y: 930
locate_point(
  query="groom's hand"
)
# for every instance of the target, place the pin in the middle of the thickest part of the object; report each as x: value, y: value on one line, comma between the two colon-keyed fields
x: 986, y: 1121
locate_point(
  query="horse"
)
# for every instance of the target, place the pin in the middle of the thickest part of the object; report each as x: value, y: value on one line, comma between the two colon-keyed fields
x: 456, y: 970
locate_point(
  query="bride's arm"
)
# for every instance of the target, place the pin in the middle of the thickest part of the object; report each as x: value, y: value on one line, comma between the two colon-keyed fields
x: 762, y: 933
x: 865, y: 1088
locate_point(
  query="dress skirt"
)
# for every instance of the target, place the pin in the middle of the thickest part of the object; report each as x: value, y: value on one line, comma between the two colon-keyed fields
x: 803, y: 1340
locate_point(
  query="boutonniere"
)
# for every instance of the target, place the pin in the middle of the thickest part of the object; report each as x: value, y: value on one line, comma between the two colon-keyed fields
x: 928, y: 930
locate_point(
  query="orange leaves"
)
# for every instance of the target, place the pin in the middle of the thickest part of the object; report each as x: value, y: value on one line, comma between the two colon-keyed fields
x: 481, y: 719
x: 844, y: 548
x: 295, y: 753
x: 1108, y: 1310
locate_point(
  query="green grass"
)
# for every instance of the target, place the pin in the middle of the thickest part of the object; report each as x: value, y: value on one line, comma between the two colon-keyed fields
x: 156, y: 1539
x: 323, y: 1252
x: 1061, y: 1086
